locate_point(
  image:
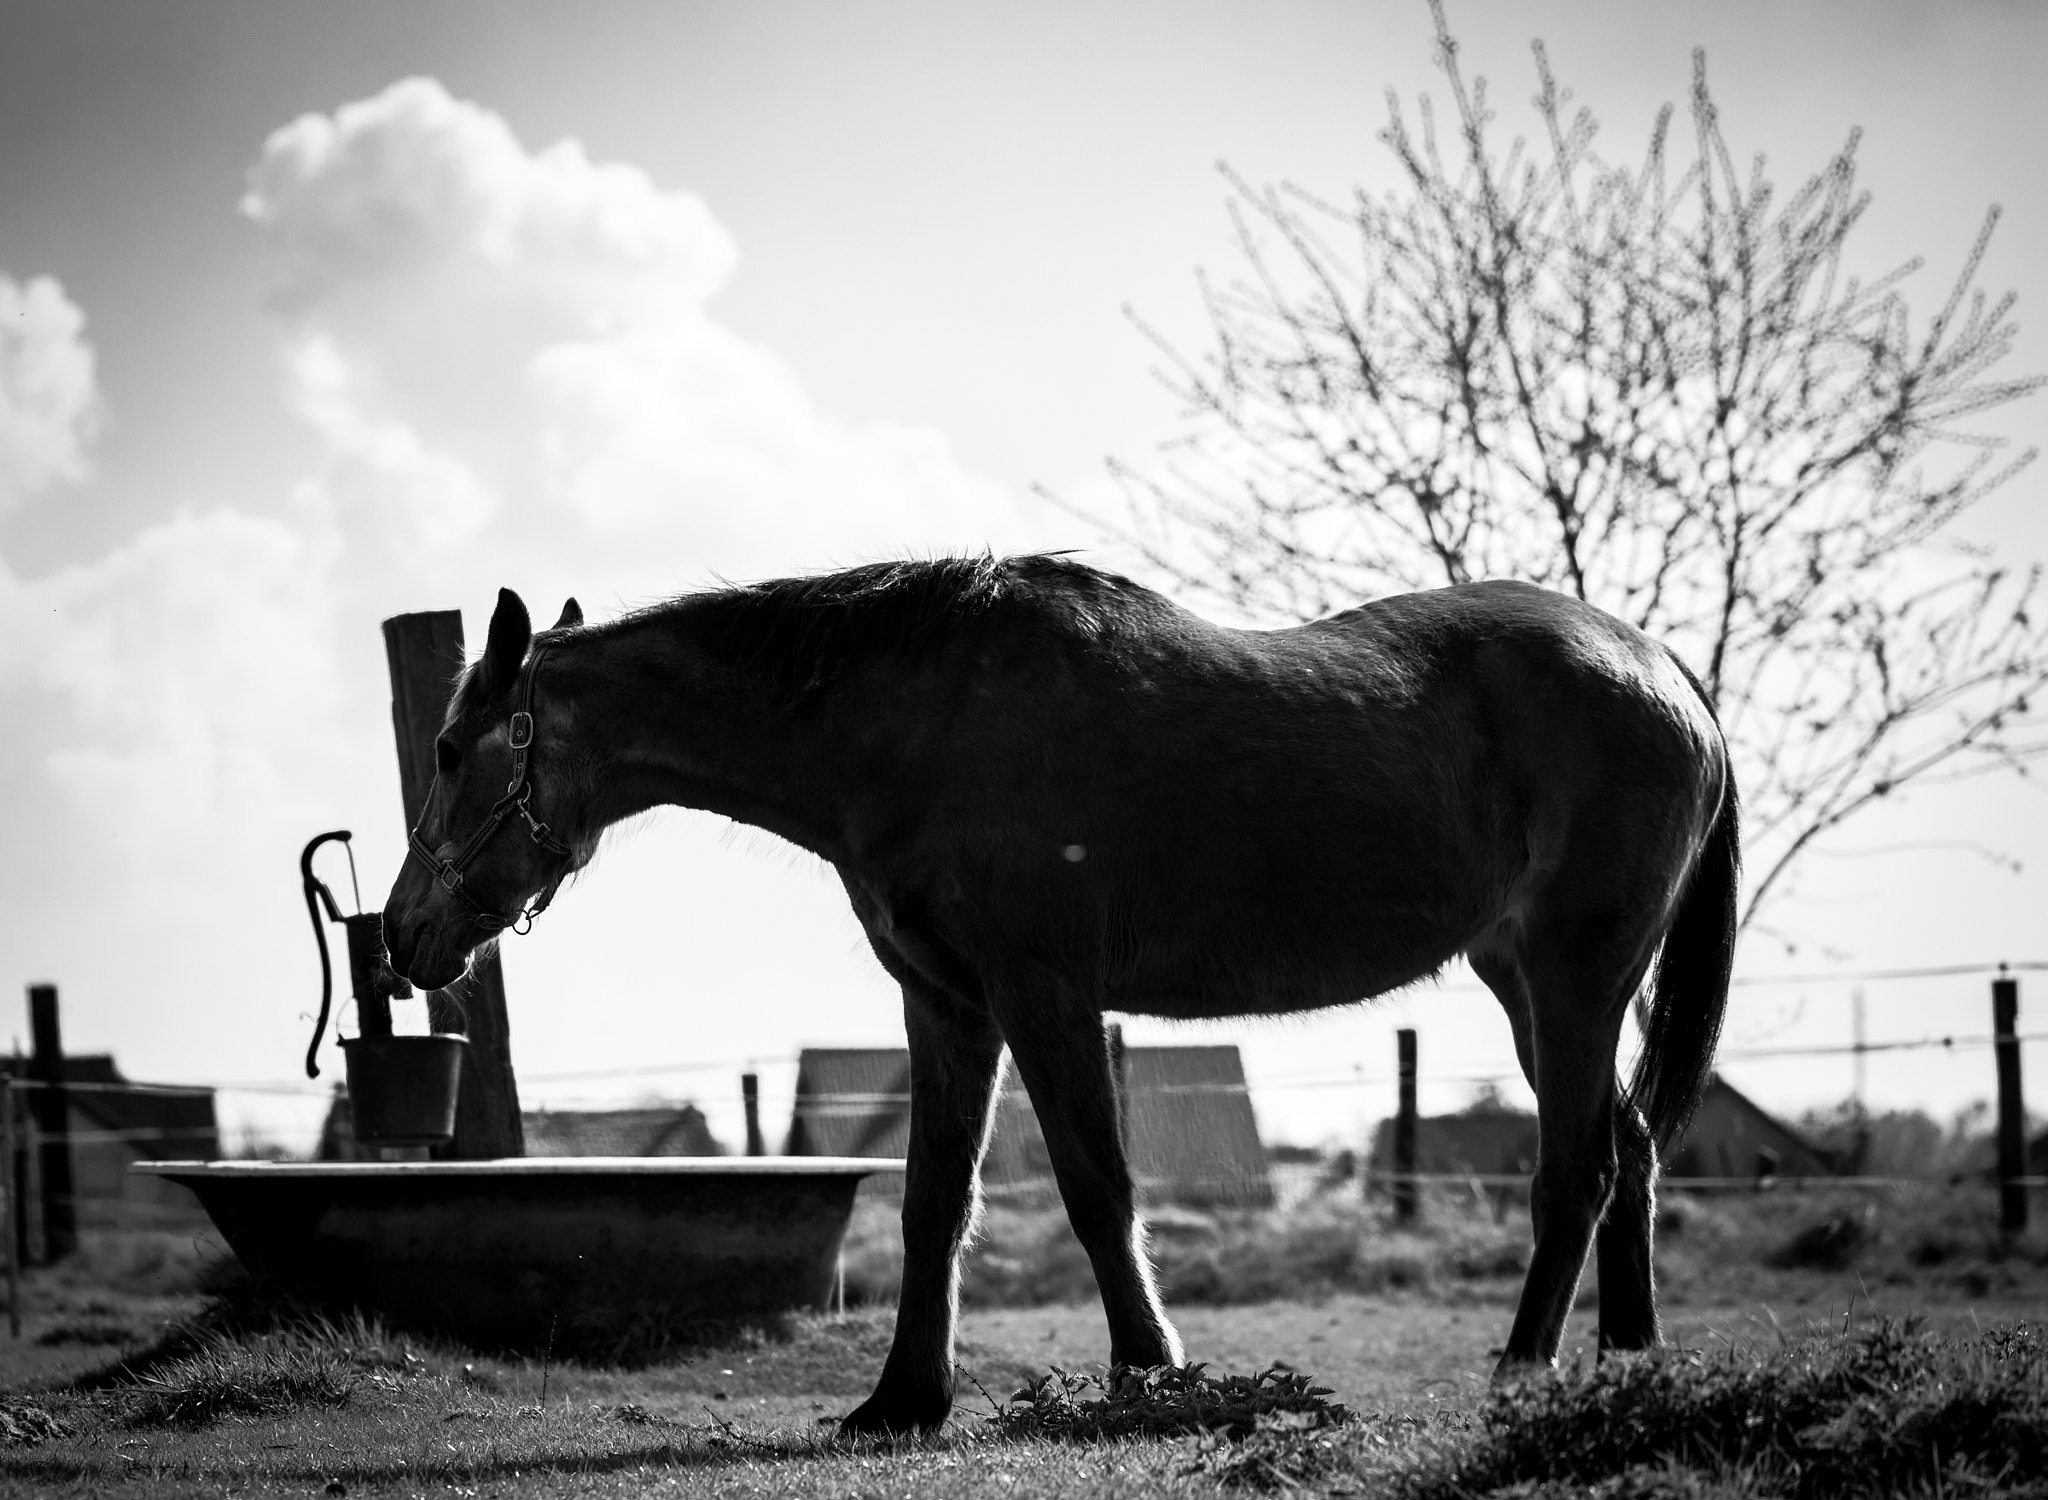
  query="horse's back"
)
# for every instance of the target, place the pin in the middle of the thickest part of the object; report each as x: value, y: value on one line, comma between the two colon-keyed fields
x: 1214, y: 820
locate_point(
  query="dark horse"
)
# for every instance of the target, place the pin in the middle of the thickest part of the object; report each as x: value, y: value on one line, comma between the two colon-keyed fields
x: 1051, y: 793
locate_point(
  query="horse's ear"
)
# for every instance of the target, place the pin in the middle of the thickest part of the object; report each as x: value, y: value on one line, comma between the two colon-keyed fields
x: 572, y: 614
x: 511, y: 631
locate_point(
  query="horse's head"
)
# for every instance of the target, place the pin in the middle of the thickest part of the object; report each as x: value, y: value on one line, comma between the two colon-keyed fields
x: 500, y: 828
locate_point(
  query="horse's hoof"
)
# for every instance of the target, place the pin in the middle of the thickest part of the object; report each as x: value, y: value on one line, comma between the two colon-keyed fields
x: 882, y: 1416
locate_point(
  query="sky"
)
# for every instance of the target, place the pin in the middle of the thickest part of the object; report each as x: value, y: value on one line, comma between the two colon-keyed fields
x: 314, y: 314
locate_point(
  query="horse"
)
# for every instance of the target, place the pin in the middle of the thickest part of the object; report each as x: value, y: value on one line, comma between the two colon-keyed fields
x: 1051, y: 793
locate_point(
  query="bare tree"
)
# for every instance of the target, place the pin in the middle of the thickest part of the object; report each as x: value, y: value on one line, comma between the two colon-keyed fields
x: 1655, y: 387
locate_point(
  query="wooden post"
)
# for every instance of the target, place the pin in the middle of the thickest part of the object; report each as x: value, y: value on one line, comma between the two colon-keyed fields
x: 35, y: 1243
x: 425, y: 653
x: 7, y: 1195
x: 18, y: 1162
x: 750, y: 1096
x: 2012, y: 1114
x: 46, y: 1065
x: 1404, y: 1127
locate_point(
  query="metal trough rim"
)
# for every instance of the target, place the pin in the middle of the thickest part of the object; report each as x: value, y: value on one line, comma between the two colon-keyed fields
x: 537, y: 1166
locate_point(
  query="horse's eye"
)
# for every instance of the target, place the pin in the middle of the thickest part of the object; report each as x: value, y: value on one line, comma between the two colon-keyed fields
x: 447, y: 756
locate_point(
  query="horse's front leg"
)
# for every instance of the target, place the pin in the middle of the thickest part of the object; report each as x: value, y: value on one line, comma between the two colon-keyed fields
x: 1065, y: 1063
x: 955, y: 1060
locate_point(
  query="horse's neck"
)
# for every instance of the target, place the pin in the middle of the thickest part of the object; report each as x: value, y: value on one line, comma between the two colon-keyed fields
x: 675, y: 727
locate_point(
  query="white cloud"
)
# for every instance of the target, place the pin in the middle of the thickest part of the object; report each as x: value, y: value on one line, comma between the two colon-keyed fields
x: 49, y: 400
x: 509, y: 361
x: 194, y: 660
x: 510, y: 356
x: 413, y: 182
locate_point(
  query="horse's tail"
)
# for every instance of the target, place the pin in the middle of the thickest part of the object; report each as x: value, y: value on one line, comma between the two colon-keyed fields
x: 1691, y: 993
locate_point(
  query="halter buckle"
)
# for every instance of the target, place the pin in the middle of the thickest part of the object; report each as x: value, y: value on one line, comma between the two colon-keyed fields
x: 450, y: 877
x: 522, y: 729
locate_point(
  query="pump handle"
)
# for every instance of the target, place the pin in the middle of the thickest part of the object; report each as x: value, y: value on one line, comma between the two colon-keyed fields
x: 318, y: 895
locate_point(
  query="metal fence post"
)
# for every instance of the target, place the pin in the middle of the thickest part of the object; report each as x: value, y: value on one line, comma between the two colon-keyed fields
x: 2012, y: 1114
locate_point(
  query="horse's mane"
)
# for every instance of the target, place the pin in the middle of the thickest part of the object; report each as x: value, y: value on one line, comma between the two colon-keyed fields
x: 799, y: 633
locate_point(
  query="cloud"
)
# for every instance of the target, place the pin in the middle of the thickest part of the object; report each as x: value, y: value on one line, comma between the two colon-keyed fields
x: 183, y: 657
x: 49, y: 400
x: 413, y: 183
x: 511, y: 365
x: 501, y: 344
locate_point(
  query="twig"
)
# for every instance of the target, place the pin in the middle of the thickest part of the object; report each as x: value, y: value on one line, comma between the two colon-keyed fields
x: 994, y: 1404
x: 734, y: 1435
x: 547, y: 1358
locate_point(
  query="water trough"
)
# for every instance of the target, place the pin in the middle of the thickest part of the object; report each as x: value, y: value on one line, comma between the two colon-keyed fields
x: 585, y: 1251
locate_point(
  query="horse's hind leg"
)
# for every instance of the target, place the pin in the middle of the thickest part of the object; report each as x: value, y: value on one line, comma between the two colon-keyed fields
x: 1064, y: 1060
x: 1628, y: 1298
x: 1576, y: 1004
x: 955, y: 1059
x: 1628, y: 1294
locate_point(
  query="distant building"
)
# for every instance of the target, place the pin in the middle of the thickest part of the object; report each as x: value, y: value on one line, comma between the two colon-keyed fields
x: 648, y: 1130
x: 113, y: 1122
x: 661, y: 1130
x: 1192, y: 1136
x: 1731, y: 1136
x: 1488, y: 1140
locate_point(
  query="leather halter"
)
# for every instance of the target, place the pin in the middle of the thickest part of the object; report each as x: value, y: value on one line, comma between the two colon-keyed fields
x: 449, y: 872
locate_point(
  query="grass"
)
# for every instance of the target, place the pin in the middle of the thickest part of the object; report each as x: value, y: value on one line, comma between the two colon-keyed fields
x: 1881, y: 1409
x: 1029, y: 1257
x: 1890, y: 1410
x: 131, y: 1386
x: 1712, y: 1249
x: 235, y: 1379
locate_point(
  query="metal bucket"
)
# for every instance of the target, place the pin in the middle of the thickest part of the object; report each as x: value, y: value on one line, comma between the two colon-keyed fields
x: 401, y: 1089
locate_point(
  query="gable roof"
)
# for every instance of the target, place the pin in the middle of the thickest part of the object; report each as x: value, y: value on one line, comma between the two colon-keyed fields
x: 665, y: 1130
x: 1190, y: 1130
x: 851, y: 1101
x: 1728, y: 1133
x: 1488, y: 1142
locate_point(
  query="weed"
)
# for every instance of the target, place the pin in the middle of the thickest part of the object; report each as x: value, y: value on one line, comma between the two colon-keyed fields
x: 23, y: 1424
x: 264, y: 1378
x: 1167, y: 1401
x: 1886, y: 1410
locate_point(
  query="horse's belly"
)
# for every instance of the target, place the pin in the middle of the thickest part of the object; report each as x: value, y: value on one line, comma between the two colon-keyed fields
x: 1218, y: 983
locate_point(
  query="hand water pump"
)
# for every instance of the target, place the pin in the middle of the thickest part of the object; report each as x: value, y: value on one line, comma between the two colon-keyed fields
x: 401, y: 1089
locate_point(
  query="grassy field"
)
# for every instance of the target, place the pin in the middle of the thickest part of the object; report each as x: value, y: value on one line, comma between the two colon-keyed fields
x: 128, y: 1380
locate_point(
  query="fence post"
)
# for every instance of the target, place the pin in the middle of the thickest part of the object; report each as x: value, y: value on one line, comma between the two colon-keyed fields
x: 2012, y: 1114
x: 46, y: 1062
x: 750, y: 1096
x: 425, y: 653
x: 35, y: 1244
x: 13, y: 1204
x: 1404, y: 1127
